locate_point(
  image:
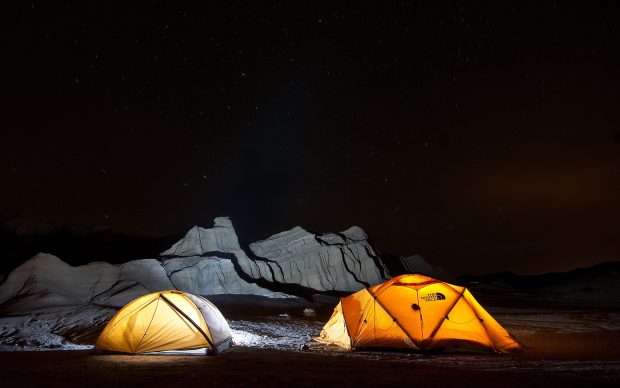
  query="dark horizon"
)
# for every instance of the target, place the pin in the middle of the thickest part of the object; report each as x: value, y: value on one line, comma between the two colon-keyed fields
x: 484, y: 138
x: 147, y: 246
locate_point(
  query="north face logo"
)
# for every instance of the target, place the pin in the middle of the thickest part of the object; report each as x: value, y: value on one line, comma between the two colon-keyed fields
x: 433, y: 297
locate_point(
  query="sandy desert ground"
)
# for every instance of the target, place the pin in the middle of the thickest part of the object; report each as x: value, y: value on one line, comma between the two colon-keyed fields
x: 569, y: 345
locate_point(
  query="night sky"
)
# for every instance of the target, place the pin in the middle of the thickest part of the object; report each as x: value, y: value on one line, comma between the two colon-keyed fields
x: 482, y: 136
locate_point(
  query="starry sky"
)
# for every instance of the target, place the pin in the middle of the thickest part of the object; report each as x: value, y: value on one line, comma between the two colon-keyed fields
x: 484, y: 136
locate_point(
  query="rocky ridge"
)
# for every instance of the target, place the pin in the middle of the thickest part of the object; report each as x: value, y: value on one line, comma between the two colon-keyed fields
x: 206, y: 261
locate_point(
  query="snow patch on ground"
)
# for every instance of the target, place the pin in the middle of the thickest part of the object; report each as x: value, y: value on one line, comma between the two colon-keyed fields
x: 280, y: 332
x: 51, y: 331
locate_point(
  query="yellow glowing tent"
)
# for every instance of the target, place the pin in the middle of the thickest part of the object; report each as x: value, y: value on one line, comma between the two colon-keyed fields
x: 415, y: 312
x: 166, y: 320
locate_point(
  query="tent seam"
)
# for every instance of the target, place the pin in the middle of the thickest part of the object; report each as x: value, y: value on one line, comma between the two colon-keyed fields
x: 106, y: 330
x: 148, y: 327
x: 391, y: 316
x: 436, y: 329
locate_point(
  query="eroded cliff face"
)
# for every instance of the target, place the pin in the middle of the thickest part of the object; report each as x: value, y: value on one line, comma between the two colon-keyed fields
x: 343, y: 262
x: 45, y: 281
x: 294, y: 263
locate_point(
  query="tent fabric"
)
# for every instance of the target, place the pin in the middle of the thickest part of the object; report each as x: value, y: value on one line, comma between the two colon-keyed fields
x: 415, y: 312
x: 166, y: 320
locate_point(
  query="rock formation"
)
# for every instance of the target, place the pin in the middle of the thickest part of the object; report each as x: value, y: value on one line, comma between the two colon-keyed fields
x: 294, y: 263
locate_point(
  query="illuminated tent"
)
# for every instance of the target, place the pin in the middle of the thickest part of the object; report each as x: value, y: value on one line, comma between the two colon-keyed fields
x: 415, y: 312
x: 166, y: 320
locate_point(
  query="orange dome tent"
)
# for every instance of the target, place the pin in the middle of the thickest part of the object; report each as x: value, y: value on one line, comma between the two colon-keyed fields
x: 415, y: 312
x: 164, y: 321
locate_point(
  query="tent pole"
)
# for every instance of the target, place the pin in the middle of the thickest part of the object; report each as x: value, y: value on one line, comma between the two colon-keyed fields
x: 394, y: 319
x: 190, y: 321
x: 430, y: 338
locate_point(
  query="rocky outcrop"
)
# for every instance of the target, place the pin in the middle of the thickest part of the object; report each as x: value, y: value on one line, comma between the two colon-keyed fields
x: 217, y: 243
x: 45, y: 281
x: 344, y: 262
x: 294, y: 262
